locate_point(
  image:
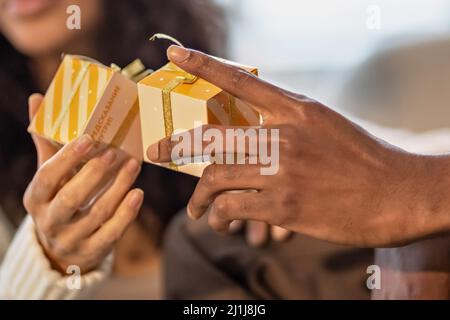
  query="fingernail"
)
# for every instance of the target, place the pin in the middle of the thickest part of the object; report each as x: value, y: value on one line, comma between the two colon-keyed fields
x: 109, y: 156
x: 280, y: 234
x: 153, y: 152
x: 136, y: 199
x: 132, y: 166
x: 254, y: 240
x: 84, y: 144
x: 189, y: 212
x: 177, y: 53
x: 236, y: 225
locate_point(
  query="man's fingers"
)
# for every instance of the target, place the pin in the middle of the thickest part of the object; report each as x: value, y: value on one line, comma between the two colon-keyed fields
x: 44, y: 148
x: 279, y: 233
x: 217, y: 141
x: 47, y: 180
x: 236, y: 226
x: 228, y: 207
x: 257, y: 233
x: 238, y: 82
x: 105, y: 237
x: 218, y: 178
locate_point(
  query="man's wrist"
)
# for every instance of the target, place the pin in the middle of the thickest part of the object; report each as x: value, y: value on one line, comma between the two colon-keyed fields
x: 434, y: 186
x: 417, y: 198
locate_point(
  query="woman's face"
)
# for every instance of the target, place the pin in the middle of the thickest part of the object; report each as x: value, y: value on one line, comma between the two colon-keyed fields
x: 39, y: 27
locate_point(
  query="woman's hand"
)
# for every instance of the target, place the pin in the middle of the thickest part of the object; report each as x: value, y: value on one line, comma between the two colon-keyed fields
x: 335, y: 181
x: 72, y: 228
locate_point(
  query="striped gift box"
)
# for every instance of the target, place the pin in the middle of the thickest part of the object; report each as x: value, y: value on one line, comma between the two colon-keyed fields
x: 88, y: 97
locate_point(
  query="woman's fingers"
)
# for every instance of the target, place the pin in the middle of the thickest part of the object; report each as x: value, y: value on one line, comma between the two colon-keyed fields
x: 44, y: 148
x: 34, y: 101
x: 82, y: 188
x: 107, y: 203
x: 113, y: 229
x: 218, y: 178
x: 47, y: 181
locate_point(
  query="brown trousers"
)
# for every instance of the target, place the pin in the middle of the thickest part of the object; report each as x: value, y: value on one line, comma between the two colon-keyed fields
x: 200, y: 264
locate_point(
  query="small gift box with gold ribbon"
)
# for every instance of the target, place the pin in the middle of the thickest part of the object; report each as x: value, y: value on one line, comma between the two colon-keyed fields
x: 172, y: 100
x: 86, y: 97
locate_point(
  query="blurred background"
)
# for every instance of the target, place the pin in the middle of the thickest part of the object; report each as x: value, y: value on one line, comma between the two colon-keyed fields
x: 383, y: 60
x: 384, y: 63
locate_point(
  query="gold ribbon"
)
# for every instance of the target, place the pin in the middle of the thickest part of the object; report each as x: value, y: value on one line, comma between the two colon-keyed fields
x: 134, y: 71
x: 66, y: 103
x: 122, y: 132
x: 182, y: 77
x: 165, y: 36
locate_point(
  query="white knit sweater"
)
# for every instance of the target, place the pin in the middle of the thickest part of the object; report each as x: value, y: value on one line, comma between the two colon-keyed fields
x: 25, y: 272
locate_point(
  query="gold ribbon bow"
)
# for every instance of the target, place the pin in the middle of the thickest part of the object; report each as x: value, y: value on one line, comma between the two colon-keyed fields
x: 136, y: 70
x: 182, y: 77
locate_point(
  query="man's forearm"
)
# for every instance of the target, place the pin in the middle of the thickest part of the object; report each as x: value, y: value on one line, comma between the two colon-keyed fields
x: 334, y: 181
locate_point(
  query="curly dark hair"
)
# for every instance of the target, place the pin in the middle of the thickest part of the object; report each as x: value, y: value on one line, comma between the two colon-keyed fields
x: 197, y: 23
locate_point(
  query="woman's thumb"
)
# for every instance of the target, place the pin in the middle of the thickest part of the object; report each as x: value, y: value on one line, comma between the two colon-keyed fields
x: 44, y: 148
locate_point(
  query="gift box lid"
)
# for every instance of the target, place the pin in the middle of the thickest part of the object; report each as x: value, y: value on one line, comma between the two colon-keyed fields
x: 200, y: 89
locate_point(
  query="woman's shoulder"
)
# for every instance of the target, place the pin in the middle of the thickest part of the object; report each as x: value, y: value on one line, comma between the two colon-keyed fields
x: 6, y: 233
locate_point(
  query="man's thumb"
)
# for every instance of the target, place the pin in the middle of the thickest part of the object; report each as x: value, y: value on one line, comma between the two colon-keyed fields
x: 44, y: 148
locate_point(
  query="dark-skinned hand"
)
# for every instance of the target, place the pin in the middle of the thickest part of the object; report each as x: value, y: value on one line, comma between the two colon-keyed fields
x: 335, y: 181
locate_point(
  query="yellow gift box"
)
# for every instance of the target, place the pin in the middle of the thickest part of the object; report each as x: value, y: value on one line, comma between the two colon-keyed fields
x: 172, y: 100
x: 86, y: 97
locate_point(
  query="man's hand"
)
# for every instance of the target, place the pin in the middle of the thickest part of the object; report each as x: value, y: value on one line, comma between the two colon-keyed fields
x: 259, y: 233
x: 335, y: 181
